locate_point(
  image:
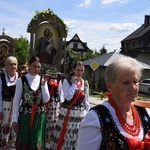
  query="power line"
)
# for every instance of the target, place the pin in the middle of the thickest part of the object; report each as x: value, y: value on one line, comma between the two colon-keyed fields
x: 124, y: 10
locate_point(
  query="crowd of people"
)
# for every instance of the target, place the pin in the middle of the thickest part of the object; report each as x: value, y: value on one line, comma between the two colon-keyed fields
x: 36, y: 109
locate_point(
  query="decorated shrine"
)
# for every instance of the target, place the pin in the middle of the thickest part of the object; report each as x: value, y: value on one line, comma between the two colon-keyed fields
x: 47, y: 33
x: 7, y: 47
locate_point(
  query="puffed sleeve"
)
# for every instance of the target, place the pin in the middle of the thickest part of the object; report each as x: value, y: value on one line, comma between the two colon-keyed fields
x: 16, y: 100
x: 45, y: 93
x: 89, y: 135
x: 60, y: 92
x: 68, y: 90
x: 87, y: 104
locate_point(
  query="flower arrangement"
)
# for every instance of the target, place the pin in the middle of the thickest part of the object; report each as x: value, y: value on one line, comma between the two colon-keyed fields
x: 46, y: 15
x: 48, y: 69
x: 41, y: 14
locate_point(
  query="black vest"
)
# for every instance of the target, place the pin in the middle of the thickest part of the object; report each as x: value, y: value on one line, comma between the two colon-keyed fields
x: 7, y: 91
x: 30, y: 98
x: 112, y: 139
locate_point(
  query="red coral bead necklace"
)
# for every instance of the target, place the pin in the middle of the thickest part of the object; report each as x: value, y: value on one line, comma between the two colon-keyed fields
x: 132, y: 129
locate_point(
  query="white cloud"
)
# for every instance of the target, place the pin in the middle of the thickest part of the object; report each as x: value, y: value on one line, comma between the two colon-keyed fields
x: 87, y: 23
x: 85, y: 3
x: 101, y: 33
x: 71, y: 23
x: 19, y: 25
x: 125, y: 27
x: 106, y: 2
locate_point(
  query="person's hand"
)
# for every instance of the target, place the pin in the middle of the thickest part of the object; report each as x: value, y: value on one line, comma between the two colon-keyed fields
x: 44, y: 79
x: 15, y: 126
x: 74, y: 79
x: 1, y: 116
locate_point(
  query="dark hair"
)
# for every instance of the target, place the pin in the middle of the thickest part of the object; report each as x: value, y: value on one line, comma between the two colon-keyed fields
x: 34, y: 58
x: 46, y: 29
x: 75, y: 64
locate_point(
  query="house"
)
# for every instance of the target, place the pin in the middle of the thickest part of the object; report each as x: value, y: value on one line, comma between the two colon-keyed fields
x: 96, y: 78
x: 137, y: 44
x: 77, y: 45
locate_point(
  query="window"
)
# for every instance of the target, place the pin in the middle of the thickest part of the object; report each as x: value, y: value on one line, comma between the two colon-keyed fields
x: 75, y: 45
x: 146, y: 81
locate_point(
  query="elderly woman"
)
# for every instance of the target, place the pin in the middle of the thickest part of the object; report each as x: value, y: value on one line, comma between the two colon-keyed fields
x: 7, y: 90
x: 117, y: 123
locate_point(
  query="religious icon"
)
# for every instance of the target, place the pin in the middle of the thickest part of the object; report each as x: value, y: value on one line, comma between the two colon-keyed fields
x: 45, y: 49
x: 4, y: 52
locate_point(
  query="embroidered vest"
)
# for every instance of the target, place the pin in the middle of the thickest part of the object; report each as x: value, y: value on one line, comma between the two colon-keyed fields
x: 112, y: 139
x: 7, y: 91
x: 79, y: 104
x: 30, y: 98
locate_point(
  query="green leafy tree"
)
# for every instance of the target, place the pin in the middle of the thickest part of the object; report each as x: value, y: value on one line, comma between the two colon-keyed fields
x: 89, y: 55
x: 22, y: 50
x: 69, y: 59
x: 96, y: 54
x: 103, y: 50
x: 69, y: 56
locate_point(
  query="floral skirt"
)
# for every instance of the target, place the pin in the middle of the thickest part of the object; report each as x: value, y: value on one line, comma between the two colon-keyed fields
x: 7, y: 134
x: 70, y: 137
x: 51, y: 118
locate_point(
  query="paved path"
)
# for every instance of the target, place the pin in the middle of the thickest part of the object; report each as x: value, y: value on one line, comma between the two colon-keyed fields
x: 95, y: 101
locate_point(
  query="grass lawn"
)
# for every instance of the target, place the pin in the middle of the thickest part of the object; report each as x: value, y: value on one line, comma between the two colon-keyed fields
x: 145, y: 96
x: 95, y: 95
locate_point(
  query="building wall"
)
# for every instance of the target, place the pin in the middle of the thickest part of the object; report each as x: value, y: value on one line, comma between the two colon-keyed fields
x: 144, y: 57
x: 95, y: 78
x: 145, y: 74
x: 79, y: 45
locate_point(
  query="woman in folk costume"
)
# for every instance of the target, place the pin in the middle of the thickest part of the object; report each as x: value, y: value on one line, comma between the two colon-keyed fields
x: 72, y: 110
x: 29, y: 111
x: 7, y: 89
x: 117, y: 124
x: 55, y: 90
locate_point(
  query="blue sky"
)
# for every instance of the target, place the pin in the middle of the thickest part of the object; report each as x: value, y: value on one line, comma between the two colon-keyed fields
x: 97, y: 22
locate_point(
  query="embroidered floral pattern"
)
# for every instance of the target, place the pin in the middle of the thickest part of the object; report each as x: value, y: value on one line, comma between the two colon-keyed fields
x: 31, y: 98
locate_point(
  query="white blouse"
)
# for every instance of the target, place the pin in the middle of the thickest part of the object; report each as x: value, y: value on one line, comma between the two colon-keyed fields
x: 69, y: 91
x: 34, y: 82
x: 90, y: 137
